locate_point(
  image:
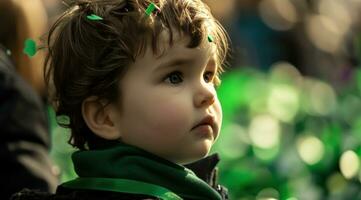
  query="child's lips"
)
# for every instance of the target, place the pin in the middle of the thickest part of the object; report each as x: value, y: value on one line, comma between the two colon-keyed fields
x: 205, y: 131
x: 207, y: 126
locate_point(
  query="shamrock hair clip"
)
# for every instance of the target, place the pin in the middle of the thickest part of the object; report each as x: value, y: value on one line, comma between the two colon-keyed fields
x: 210, y: 38
x: 94, y: 17
x: 151, y: 8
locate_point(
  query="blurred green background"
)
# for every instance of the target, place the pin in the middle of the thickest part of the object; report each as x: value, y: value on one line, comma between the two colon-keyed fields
x: 286, y: 136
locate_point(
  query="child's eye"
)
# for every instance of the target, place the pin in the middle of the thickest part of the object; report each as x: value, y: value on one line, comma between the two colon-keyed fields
x: 208, y: 76
x: 174, y: 77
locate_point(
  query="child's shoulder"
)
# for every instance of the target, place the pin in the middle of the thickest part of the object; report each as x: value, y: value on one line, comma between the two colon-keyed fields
x: 66, y: 194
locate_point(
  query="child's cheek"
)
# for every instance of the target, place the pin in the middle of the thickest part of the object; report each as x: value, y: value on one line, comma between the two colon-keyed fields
x: 172, y: 116
x: 219, y: 114
x: 218, y: 108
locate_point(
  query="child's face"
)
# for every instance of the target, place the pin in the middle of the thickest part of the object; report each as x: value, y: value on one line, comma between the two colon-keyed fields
x: 164, y: 99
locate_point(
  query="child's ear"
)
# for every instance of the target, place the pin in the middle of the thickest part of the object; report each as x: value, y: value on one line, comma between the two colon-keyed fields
x: 100, y: 118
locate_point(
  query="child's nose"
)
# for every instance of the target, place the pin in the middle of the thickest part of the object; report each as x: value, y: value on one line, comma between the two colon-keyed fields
x: 205, y: 95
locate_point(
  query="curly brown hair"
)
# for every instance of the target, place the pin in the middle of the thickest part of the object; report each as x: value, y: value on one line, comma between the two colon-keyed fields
x: 88, y: 58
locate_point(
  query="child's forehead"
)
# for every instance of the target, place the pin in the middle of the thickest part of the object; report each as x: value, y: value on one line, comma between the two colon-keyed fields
x: 178, y: 52
x: 180, y: 47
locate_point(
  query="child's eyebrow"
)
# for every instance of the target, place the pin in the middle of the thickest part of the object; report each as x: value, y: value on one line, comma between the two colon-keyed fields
x: 175, y: 62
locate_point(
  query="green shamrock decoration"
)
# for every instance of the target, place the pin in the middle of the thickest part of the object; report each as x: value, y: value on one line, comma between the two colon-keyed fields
x: 29, y: 47
x: 151, y: 8
x: 210, y: 38
x: 94, y: 17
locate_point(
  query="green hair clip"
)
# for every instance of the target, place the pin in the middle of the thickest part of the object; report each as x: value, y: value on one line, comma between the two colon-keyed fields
x: 210, y: 38
x: 94, y: 17
x: 150, y: 9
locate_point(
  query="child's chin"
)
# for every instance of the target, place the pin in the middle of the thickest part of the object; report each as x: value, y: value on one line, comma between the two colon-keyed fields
x: 196, y: 156
x: 204, y: 148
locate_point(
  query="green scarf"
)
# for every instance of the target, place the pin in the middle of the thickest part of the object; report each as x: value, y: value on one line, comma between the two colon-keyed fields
x: 127, y: 169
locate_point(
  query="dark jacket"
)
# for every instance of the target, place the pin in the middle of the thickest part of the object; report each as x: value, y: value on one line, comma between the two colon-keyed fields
x: 205, y: 169
x: 24, y: 135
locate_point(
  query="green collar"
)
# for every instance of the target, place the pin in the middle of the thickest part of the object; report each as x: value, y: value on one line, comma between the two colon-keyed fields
x: 127, y: 169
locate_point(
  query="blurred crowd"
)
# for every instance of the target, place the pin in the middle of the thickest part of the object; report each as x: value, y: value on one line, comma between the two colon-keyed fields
x: 25, y: 138
x: 292, y: 90
x: 317, y: 37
